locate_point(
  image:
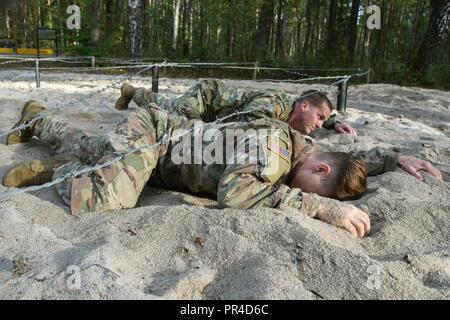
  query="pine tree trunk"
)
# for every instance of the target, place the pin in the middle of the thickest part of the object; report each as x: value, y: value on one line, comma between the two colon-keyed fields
x: 309, y: 26
x: 176, y: 17
x: 265, y: 23
x: 417, y: 23
x: 230, y: 30
x: 365, y: 41
x: 97, y: 15
x: 353, y: 30
x: 331, y: 28
x: 317, y: 24
x: 135, y: 29
x: 436, y: 33
x: 110, y: 17
x: 26, y: 24
x: 299, y: 33
x: 187, y: 14
x: 11, y: 23
x: 279, y: 49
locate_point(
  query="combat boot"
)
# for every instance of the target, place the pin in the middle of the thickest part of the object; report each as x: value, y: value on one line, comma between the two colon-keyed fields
x: 32, y: 172
x: 29, y: 111
x: 127, y: 92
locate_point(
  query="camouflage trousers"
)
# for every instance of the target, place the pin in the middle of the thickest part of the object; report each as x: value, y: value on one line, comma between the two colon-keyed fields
x: 206, y: 100
x: 115, y: 186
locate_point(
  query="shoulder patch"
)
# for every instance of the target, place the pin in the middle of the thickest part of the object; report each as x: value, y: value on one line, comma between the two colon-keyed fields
x: 275, y: 147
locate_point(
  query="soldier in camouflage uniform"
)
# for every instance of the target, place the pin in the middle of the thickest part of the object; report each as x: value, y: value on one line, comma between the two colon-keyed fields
x: 275, y: 180
x: 211, y: 99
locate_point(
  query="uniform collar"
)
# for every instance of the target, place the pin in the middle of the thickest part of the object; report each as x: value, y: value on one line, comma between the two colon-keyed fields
x: 301, y: 149
x: 290, y: 103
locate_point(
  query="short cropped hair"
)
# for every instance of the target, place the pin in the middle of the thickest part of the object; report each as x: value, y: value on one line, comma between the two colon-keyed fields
x: 316, y: 98
x: 348, y: 178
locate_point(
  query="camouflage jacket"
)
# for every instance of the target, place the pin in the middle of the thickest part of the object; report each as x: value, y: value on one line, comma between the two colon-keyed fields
x: 245, y: 184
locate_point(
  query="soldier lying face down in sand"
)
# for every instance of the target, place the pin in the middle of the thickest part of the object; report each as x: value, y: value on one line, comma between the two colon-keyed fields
x: 271, y: 166
x: 211, y: 99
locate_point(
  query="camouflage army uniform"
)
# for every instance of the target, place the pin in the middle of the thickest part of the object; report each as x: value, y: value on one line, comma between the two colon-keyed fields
x: 237, y: 185
x: 209, y: 100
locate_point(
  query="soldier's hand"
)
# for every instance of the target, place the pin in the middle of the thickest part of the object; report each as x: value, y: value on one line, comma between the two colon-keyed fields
x: 355, y: 221
x: 345, y: 128
x: 413, y: 165
x: 345, y: 216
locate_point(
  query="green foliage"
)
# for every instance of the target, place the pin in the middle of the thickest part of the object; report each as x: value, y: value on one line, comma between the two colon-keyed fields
x: 227, y: 30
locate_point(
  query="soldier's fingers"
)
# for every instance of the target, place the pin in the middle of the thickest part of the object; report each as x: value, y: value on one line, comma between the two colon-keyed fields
x: 339, y: 129
x: 414, y: 172
x: 347, y: 225
x: 366, y: 221
x: 351, y: 130
x: 359, y: 226
x: 431, y: 169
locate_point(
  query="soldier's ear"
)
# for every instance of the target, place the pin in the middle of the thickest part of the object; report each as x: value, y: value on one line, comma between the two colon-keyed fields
x: 323, y: 169
x: 303, y: 106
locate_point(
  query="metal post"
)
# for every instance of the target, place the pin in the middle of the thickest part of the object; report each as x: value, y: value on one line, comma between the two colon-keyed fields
x: 57, y: 44
x: 93, y: 61
x: 255, y: 71
x: 38, y: 76
x: 155, y: 79
x: 342, y: 96
x: 368, y: 75
x: 37, y: 43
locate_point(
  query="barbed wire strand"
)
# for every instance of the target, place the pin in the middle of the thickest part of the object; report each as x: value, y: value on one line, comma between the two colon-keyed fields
x: 25, y: 125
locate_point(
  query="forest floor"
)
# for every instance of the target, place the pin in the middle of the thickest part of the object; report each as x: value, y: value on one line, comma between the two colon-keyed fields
x: 179, y: 246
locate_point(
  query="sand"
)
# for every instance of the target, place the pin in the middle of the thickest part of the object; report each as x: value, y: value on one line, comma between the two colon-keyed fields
x: 178, y: 246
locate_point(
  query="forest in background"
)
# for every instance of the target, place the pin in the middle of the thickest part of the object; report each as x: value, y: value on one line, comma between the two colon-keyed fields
x: 411, y: 48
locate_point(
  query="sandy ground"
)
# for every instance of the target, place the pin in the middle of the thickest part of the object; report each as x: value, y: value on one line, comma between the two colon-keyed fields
x: 178, y: 246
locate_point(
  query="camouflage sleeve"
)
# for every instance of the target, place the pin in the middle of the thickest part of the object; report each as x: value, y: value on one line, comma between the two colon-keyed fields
x: 331, y: 122
x: 378, y: 160
x: 243, y: 190
x: 267, y: 105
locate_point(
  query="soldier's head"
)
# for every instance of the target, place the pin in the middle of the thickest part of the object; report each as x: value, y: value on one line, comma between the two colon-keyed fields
x: 311, y: 109
x: 336, y: 175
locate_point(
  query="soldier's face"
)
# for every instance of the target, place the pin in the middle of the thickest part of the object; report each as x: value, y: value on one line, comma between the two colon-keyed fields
x: 307, y: 118
x: 310, y: 176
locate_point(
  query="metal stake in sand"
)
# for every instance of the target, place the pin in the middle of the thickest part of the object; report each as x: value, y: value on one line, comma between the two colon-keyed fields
x: 342, y: 96
x: 38, y: 75
x: 155, y: 79
x: 255, y: 71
